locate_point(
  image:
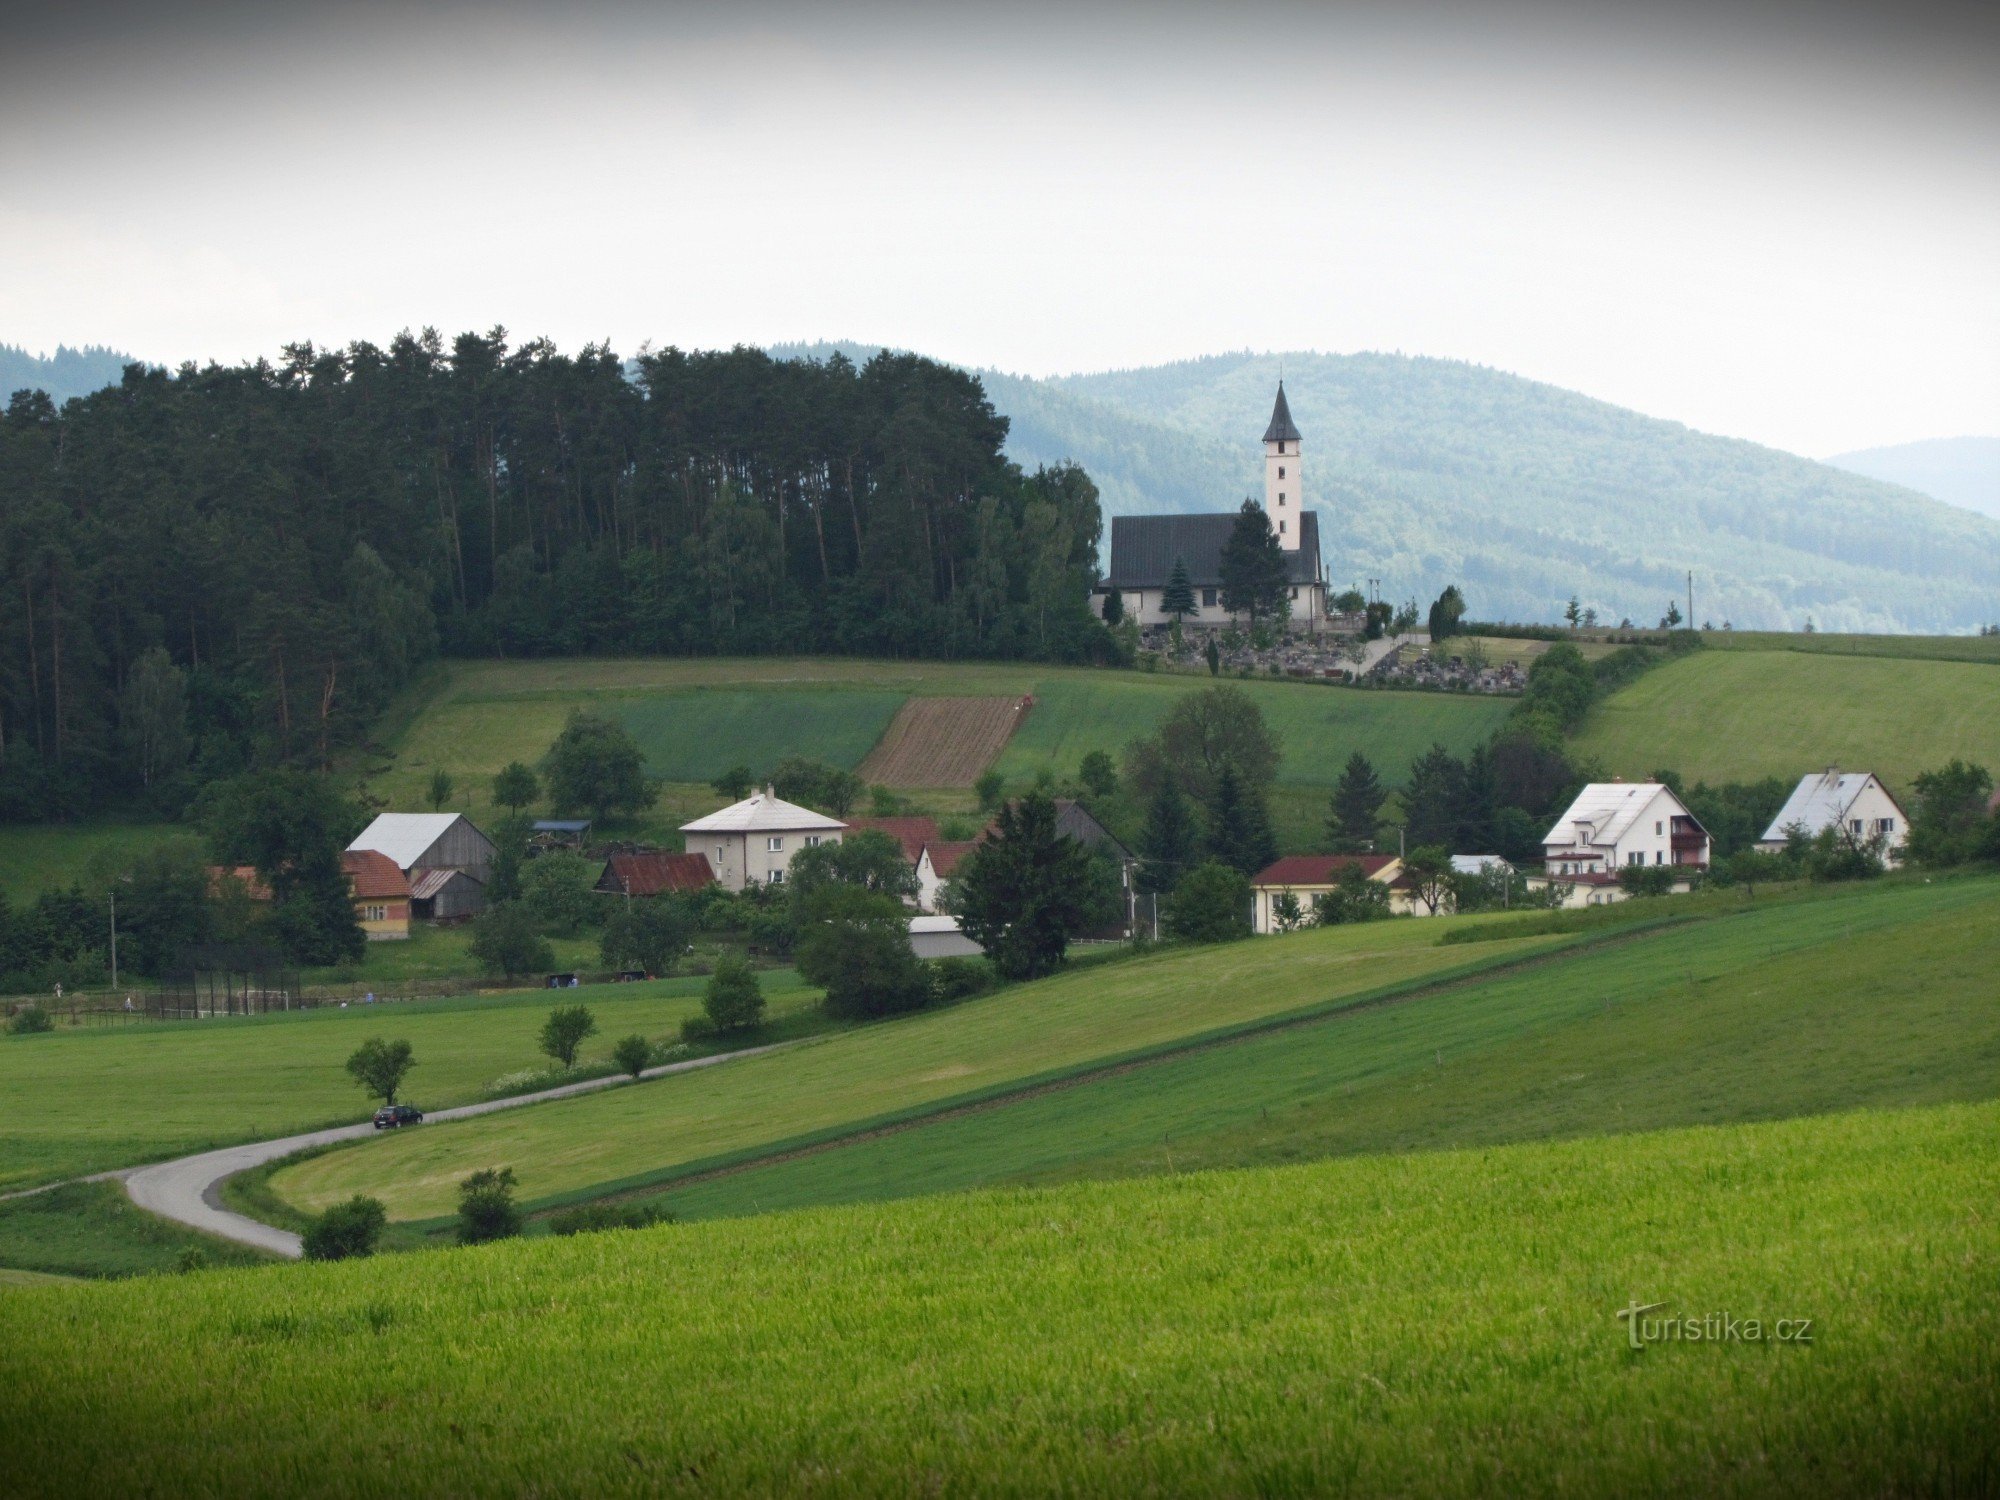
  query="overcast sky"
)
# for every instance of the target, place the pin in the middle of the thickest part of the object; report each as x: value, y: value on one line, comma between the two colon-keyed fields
x: 1778, y: 221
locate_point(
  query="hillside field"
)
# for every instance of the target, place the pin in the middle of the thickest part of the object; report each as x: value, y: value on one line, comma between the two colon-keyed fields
x: 1442, y: 1324
x: 1767, y: 1010
x: 1743, y: 715
x: 94, y: 1098
x: 1086, y: 1016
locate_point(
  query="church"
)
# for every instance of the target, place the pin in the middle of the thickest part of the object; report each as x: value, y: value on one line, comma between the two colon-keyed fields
x: 1144, y: 549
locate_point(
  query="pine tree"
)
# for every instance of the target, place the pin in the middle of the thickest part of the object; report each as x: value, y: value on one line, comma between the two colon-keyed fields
x: 1169, y: 844
x: 1178, y: 597
x: 1355, y: 814
x: 1239, y: 825
x: 1253, y: 566
x: 1433, y: 797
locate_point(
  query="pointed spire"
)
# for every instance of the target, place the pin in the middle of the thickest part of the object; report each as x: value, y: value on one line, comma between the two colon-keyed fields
x: 1281, y: 429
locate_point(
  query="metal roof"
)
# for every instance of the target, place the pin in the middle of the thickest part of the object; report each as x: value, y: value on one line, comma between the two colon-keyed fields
x: 765, y: 812
x: 1324, y: 869
x: 404, y: 837
x: 429, y: 882
x: 1281, y: 429
x: 1610, y: 808
x: 1819, y: 801
x: 649, y: 874
x: 561, y: 825
x: 1144, y: 548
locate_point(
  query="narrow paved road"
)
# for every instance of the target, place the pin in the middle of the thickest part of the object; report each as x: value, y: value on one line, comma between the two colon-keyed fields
x: 189, y: 1190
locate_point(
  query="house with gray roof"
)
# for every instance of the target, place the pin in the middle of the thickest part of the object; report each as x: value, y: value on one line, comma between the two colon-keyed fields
x: 443, y: 856
x: 1145, y: 550
x: 752, y: 842
x: 1616, y: 825
x: 1855, y: 802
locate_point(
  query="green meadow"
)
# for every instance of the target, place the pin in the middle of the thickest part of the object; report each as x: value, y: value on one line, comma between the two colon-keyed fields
x: 1780, y: 1009
x: 92, y: 1098
x: 1742, y: 715
x: 1084, y: 1017
x: 1441, y: 1324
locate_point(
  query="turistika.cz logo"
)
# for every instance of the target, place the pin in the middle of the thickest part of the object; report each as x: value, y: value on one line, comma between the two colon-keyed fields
x: 1708, y: 1328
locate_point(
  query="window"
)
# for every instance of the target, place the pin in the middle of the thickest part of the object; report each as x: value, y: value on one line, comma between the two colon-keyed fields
x: 1281, y: 528
x: 1659, y: 856
x: 1885, y: 825
x: 777, y: 877
x: 1854, y: 825
x: 1281, y: 471
x: 375, y: 914
x: 1658, y: 829
x: 1295, y: 593
x: 1636, y: 857
x: 1281, y: 497
x: 812, y: 841
x: 1208, y: 598
x: 774, y: 844
x: 718, y: 856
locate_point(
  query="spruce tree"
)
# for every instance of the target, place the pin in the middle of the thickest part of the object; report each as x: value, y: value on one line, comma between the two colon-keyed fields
x: 1169, y: 844
x: 1253, y: 566
x: 1239, y: 825
x: 1433, y: 798
x: 1178, y: 597
x: 1355, y: 814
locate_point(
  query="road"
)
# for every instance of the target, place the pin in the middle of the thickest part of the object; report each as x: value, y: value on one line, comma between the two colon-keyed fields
x: 189, y: 1190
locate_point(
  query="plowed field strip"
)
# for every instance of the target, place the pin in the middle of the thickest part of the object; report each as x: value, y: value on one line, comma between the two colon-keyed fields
x: 935, y: 742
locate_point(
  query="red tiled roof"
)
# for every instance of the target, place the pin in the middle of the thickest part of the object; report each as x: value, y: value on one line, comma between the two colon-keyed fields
x: 912, y: 833
x: 649, y: 874
x: 1320, y: 869
x: 374, y: 876
x: 946, y: 855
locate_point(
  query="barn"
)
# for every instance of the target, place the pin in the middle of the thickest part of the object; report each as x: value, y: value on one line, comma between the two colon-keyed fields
x: 445, y: 858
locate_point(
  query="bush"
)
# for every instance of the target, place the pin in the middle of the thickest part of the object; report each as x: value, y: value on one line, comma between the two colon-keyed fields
x: 555, y: 888
x: 960, y: 978
x: 504, y: 941
x: 698, y: 1029
x: 733, y: 1000
x: 651, y: 933
x: 486, y: 1209
x: 1210, y: 905
x: 29, y: 1020
x: 1650, y: 880
x: 591, y: 1217
x: 346, y: 1230
x: 191, y: 1258
x: 633, y: 1054
x: 563, y: 1032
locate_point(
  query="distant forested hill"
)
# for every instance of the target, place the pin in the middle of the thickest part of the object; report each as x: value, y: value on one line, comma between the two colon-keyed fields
x: 1959, y: 471
x: 1427, y: 472
x: 66, y: 373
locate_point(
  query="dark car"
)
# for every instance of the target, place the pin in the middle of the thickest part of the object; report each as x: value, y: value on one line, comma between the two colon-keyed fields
x: 394, y: 1116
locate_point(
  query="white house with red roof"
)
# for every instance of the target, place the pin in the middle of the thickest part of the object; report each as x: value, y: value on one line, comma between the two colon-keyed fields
x: 1306, y: 876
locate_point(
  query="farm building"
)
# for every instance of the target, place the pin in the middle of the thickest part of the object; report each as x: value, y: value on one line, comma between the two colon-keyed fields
x: 1855, y: 801
x: 651, y: 874
x: 560, y: 833
x: 1306, y: 876
x: 1146, y: 550
x: 1614, y: 825
x: 941, y: 937
x: 381, y: 894
x: 935, y: 867
x: 429, y: 848
x: 915, y: 836
x: 752, y: 842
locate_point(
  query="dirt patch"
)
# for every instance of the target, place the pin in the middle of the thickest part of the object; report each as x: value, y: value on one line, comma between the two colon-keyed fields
x: 940, y: 742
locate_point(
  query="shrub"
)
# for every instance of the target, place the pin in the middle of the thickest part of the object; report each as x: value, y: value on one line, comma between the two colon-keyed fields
x: 698, y: 1029
x: 1210, y: 905
x: 591, y: 1217
x: 1649, y: 880
x: 563, y: 1032
x: 733, y: 1000
x: 486, y: 1208
x: 960, y: 978
x: 191, y: 1258
x: 633, y: 1054
x: 29, y: 1020
x: 346, y: 1230
x: 504, y: 941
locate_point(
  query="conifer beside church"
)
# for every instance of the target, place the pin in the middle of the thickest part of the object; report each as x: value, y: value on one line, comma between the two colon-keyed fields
x: 1253, y: 566
x: 1177, y: 598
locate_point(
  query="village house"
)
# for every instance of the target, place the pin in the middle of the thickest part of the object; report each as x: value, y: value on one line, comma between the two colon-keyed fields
x: 1855, y: 801
x: 654, y: 874
x: 1615, y: 825
x: 1306, y: 876
x: 444, y: 857
x: 379, y: 891
x: 752, y: 842
x: 1146, y: 549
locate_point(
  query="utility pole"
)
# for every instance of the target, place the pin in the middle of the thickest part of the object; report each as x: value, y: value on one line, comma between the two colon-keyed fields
x: 1691, y: 599
x: 114, y: 940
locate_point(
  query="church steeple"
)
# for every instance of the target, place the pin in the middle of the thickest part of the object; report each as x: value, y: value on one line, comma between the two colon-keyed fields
x: 1284, y: 494
x: 1281, y: 429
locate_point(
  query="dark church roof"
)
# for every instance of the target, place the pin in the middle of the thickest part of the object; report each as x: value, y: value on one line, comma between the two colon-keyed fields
x: 1281, y: 429
x: 1143, y: 549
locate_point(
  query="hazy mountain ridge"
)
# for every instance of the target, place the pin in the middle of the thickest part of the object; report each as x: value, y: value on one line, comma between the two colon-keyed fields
x: 66, y: 373
x: 1963, y: 471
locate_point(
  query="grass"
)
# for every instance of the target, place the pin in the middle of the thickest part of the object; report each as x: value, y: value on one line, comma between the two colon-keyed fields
x: 1909, y: 647
x: 92, y: 1229
x: 432, y: 952
x: 91, y: 1099
x: 998, y: 1041
x: 1785, y: 1010
x: 1743, y: 715
x: 1441, y: 1324
x: 696, y: 736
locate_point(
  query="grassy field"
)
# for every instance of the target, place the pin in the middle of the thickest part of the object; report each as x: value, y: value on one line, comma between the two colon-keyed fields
x: 1744, y: 715
x: 1910, y: 647
x: 94, y: 1098
x: 93, y: 1229
x: 1008, y: 1038
x: 1440, y: 1324
x: 696, y: 736
x: 1783, y: 1010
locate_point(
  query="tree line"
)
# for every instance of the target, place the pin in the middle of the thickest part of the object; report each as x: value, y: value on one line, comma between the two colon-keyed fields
x: 237, y: 566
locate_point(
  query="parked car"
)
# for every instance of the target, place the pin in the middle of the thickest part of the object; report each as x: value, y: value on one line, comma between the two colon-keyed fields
x: 395, y: 1116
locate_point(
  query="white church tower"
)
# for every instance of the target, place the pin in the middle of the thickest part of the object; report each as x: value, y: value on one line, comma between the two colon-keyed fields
x: 1284, y: 492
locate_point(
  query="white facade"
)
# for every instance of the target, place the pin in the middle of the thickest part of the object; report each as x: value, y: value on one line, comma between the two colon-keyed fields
x: 1284, y: 491
x: 1615, y: 825
x: 1855, y: 800
x: 1308, y: 607
x: 753, y: 842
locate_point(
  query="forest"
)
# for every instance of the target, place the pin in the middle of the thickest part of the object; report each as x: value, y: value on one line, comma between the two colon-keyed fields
x: 225, y: 567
